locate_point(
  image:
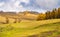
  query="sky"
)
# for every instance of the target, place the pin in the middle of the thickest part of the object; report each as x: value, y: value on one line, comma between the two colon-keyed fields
x: 31, y: 5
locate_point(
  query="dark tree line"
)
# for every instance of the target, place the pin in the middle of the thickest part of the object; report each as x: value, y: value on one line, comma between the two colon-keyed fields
x: 54, y: 14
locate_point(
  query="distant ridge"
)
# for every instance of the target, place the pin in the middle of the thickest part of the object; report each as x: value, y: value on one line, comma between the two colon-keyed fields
x: 30, y: 15
x: 31, y: 12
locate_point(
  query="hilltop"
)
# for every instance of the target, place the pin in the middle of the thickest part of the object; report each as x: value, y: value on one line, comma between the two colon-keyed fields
x: 26, y: 15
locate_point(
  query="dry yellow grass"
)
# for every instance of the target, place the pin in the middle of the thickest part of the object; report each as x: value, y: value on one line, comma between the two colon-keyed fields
x: 27, y: 24
x: 25, y: 28
x: 2, y: 19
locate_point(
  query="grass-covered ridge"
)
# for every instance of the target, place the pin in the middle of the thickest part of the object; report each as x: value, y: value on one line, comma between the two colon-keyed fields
x: 46, y: 28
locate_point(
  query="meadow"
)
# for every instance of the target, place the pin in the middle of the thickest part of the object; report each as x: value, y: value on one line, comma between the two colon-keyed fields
x: 44, y: 22
x: 43, y: 28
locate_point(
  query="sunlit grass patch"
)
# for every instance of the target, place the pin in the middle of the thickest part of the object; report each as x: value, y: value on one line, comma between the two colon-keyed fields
x: 30, y: 29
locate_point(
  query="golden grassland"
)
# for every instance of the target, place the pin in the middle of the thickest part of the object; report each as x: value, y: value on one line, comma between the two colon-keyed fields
x: 30, y: 24
x: 27, y: 28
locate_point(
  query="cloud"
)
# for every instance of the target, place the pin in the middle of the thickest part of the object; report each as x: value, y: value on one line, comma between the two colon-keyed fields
x: 22, y: 5
x: 1, y: 4
x: 26, y: 1
x: 47, y: 4
x: 12, y: 5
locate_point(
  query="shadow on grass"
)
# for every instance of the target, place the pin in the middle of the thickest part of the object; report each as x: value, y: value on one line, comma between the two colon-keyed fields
x: 48, y: 25
x: 47, y: 34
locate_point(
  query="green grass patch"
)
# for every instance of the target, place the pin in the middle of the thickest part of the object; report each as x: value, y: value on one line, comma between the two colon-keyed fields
x: 33, y: 29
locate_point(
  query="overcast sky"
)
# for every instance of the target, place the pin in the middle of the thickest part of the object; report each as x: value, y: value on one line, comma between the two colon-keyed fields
x: 22, y: 5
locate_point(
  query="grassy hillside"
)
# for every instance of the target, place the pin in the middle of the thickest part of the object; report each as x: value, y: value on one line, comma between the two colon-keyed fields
x: 44, y: 28
x: 22, y: 15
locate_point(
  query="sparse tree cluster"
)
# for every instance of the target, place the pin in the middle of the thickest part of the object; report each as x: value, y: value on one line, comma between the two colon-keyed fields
x: 17, y: 20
